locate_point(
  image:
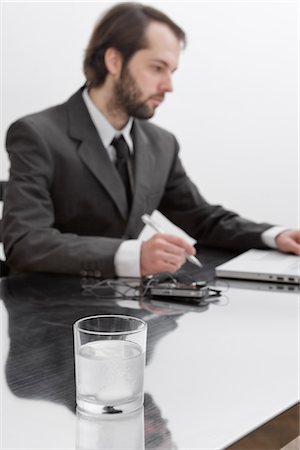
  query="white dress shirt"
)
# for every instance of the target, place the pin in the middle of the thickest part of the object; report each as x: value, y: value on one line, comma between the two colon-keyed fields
x: 268, y: 237
x: 127, y: 257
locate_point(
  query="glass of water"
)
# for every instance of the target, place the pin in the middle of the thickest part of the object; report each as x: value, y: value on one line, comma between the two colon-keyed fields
x: 109, y: 363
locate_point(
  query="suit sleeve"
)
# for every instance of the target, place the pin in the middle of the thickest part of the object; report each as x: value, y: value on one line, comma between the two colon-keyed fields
x: 31, y: 241
x: 211, y: 225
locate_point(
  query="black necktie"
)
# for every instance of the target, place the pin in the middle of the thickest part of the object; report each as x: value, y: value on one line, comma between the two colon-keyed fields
x: 122, y: 164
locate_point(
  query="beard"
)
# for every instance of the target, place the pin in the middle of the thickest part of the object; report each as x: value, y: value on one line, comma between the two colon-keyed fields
x: 127, y: 97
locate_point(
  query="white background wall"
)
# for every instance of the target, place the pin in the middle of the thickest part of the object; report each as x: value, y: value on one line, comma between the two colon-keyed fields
x: 235, y: 105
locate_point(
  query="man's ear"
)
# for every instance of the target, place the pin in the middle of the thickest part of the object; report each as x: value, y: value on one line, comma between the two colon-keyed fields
x: 113, y: 61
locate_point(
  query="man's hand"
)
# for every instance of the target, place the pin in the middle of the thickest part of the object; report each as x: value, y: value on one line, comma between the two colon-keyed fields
x: 164, y: 253
x: 289, y: 241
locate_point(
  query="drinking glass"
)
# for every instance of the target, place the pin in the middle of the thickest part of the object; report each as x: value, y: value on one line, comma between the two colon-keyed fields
x: 109, y: 363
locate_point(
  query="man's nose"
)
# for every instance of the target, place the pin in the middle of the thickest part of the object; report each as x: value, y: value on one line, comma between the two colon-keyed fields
x: 166, y: 84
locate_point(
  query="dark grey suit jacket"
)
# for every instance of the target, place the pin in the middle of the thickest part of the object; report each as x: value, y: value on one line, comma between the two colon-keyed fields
x: 65, y: 208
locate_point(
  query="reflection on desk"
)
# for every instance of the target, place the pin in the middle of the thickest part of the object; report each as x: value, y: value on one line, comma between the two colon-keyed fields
x: 110, y: 432
x: 40, y: 363
x: 213, y: 373
x: 138, y: 430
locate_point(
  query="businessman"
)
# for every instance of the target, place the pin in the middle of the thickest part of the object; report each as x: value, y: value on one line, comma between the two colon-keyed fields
x: 84, y: 172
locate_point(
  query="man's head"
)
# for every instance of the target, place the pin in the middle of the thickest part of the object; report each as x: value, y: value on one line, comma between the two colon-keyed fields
x: 134, y: 49
x: 123, y: 27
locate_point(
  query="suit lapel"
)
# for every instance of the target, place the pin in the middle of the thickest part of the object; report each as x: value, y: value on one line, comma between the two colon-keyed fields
x: 144, y: 166
x: 92, y: 152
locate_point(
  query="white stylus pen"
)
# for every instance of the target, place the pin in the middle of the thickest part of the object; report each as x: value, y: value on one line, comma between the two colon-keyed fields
x: 148, y: 221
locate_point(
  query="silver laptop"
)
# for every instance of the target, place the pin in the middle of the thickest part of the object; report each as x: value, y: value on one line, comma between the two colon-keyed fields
x: 262, y: 265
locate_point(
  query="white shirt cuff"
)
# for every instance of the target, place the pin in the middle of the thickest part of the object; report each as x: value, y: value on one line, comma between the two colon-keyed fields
x: 268, y: 236
x: 127, y: 259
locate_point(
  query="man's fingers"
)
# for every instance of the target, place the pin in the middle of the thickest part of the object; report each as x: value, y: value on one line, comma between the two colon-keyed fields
x: 178, y: 242
x: 293, y: 247
x: 163, y: 253
x: 176, y: 259
x: 289, y: 241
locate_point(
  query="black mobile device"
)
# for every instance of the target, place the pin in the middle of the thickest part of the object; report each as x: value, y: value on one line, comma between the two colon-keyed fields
x: 184, y: 292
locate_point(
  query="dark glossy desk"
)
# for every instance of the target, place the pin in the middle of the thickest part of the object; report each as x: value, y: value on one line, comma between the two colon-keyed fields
x: 213, y: 374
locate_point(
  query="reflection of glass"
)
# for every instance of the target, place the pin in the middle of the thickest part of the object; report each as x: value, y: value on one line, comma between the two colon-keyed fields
x: 109, y: 362
x: 110, y: 431
x: 40, y: 364
x: 143, y: 429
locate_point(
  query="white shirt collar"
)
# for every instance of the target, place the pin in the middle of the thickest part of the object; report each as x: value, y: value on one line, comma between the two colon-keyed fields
x: 105, y: 130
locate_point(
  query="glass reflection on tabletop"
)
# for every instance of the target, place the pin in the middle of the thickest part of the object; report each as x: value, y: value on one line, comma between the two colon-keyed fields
x: 140, y: 430
x: 110, y: 431
x: 40, y: 363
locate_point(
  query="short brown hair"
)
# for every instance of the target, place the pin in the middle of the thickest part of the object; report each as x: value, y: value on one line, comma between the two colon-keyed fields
x: 122, y: 27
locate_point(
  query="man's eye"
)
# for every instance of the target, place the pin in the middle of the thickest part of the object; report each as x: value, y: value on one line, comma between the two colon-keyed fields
x: 158, y: 69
